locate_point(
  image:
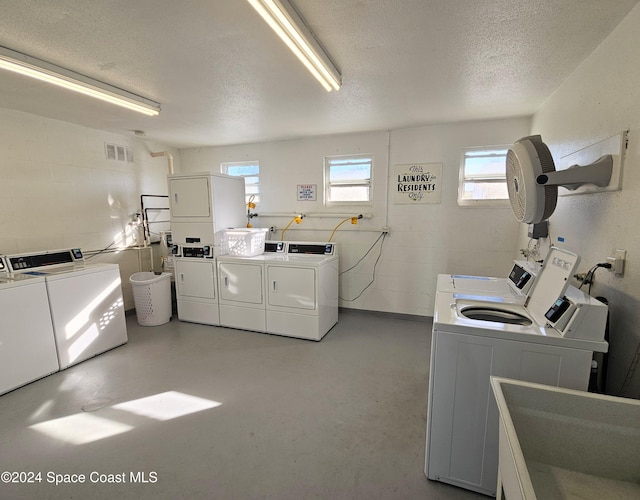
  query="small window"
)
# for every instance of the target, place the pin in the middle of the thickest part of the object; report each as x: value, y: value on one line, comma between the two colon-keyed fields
x: 483, y: 176
x: 250, y: 170
x: 347, y: 179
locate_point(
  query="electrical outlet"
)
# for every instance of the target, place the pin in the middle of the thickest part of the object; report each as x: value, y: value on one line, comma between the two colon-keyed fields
x: 385, y: 229
x: 617, y: 262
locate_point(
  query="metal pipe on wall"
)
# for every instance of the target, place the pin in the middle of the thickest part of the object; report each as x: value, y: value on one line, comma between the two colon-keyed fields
x: 169, y: 159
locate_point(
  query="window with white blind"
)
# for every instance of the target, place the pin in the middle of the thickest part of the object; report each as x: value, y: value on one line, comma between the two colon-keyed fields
x: 347, y: 180
x: 483, y: 176
x: 250, y: 170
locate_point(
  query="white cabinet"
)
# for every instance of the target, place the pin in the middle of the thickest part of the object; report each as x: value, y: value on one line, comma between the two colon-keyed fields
x: 462, y: 418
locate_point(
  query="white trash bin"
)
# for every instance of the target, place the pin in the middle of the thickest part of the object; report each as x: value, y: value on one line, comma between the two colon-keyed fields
x: 152, y: 297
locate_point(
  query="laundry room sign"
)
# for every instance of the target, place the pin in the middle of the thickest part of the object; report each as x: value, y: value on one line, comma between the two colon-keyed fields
x: 307, y: 192
x: 418, y: 183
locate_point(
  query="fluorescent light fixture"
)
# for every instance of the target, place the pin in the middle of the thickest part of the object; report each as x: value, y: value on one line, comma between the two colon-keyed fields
x: 283, y: 18
x: 50, y: 73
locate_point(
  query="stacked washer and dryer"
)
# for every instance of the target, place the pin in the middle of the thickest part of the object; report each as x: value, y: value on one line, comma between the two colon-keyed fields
x: 291, y: 289
x: 549, y: 337
x: 202, y: 205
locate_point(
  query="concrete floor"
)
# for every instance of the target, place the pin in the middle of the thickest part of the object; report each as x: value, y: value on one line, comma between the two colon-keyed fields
x: 231, y: 415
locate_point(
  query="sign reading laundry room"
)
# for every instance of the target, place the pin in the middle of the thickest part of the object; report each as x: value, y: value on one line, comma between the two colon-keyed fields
x: 307, y: 192
x: 418, y: 183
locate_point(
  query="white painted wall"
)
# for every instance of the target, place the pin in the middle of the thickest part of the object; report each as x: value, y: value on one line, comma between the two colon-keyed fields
x: 424, y: 240
x: 59, y: 191
x: 601, y: 99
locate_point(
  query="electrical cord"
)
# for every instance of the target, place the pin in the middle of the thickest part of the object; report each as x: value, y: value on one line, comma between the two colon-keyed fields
x: 375, y: 264
x: 364, y: 256
x: 590, y: 275
x: 353, y: 219
x: 98, y: 252
x: 297, y: 219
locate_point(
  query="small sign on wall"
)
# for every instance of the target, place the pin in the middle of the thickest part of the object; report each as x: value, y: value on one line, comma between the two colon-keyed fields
x: 418, y: 183
x: 307, y: 192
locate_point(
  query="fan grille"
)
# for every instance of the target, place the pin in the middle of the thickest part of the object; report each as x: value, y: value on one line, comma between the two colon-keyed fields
x: 515, y: 186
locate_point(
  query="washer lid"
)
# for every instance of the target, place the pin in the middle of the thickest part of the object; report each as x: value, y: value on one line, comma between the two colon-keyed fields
x: 552, y: 282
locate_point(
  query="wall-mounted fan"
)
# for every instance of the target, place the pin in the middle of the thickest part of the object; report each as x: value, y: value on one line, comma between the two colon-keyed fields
x: 532, y: 179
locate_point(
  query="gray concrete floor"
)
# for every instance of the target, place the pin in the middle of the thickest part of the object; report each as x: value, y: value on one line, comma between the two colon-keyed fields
x: 340, y: 419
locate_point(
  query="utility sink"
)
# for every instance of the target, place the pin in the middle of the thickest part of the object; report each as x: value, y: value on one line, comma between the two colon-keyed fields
x: 566, y: 444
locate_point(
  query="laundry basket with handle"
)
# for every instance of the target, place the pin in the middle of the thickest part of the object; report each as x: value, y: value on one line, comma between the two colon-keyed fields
x: 152, y: 297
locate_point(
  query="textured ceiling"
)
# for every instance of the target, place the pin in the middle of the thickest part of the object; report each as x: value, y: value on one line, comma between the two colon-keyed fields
x: 223, y: 77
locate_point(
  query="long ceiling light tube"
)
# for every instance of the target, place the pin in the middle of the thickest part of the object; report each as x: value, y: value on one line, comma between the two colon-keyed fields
x: 282, y: 17
x: 50, y: 73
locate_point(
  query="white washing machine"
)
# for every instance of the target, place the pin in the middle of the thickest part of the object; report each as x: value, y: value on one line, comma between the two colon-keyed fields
x: 512, y: 289
x: 27, y: 344
x: 302, y: 291
x: 551, y: 340
x: 196, y: 284
x: 242, y: 290
x: 85, y: 302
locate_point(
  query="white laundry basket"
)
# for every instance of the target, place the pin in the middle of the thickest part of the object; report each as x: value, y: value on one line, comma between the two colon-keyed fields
x: 243, y: 242
x: 152, y: 297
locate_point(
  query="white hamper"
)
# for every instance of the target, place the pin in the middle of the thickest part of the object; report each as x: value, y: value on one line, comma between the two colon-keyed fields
x: 152, y: 297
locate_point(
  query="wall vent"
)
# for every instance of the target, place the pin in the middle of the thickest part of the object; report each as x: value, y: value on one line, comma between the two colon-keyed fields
x: 110, y: 151
x: 118, y: 153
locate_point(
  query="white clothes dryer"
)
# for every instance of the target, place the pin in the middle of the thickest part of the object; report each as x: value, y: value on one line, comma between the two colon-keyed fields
x: 302, y: 291
x: 85, y: 301
x: 242, y: 290
x: 27, y: 344
x: 472, y: 340
x: 196, y: 284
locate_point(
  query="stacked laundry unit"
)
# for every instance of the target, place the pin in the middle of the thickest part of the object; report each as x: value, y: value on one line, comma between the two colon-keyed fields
x: 202, y: 205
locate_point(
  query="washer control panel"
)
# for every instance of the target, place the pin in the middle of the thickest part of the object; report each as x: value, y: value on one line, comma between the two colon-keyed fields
x: 275, y: 247
x: 312, y: 248
x: 24, y: 262
x: 198, y: 252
